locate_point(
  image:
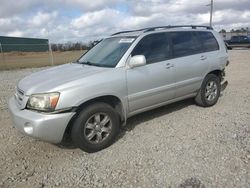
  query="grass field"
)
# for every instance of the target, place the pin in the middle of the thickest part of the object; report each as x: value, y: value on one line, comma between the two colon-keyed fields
x: 17, y: 60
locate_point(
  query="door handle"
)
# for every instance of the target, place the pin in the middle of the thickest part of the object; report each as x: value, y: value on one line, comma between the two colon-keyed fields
x: 203, y: 57
x: 169, y: 65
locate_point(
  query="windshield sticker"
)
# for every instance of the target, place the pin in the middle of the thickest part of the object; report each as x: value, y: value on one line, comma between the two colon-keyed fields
x: 127, y: 40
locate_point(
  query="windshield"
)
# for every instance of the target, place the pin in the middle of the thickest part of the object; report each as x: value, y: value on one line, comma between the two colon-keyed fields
x: 108, y: 52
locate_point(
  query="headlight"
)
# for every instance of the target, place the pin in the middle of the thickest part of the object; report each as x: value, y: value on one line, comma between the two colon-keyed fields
x: 43, y: 102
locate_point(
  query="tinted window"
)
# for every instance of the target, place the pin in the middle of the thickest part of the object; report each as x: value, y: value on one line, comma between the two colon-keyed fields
x: 208, y: 41
x: 154, y: 47
x: 244, y: 39
x: 235, y: 39
x: 184, y: 44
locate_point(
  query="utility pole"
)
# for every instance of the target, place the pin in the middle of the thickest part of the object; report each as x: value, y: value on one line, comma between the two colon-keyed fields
x: 51, y: 54
x: 1, y: 48
x: 211, y: 12
x: 50, y: 50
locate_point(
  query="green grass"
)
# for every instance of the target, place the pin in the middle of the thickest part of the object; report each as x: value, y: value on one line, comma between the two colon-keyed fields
x: 18, y: 60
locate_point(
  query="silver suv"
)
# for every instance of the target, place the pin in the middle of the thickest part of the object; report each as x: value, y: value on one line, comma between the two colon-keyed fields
x: 125, y: 74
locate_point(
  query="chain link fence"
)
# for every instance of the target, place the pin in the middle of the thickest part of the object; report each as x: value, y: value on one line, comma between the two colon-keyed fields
x: 33, y: 55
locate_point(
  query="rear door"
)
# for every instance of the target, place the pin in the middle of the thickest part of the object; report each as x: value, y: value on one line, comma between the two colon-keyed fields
x: 215, y: 56
x: 245, y: 41
x: 190, y: 61
x: 153, y: 83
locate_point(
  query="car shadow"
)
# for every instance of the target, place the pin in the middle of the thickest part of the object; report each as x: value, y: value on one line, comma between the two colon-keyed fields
x: 138, y: 119
x: 152, y: 114
x: 66, y: 143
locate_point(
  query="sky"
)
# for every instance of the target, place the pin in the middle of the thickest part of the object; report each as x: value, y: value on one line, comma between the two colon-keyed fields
x: 84, y: 20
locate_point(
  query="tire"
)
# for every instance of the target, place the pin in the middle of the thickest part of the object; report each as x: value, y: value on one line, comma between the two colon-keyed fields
x: 208, y: 94
x: 92, y: 133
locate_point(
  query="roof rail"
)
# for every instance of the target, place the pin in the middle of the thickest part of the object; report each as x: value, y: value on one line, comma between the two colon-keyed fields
x: 163, y: 27
x: 127, y: 31
x: 176, y: 26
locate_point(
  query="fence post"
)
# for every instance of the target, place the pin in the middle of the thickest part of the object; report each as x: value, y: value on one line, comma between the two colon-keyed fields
x: 51, y: 54
x: 1, y: 48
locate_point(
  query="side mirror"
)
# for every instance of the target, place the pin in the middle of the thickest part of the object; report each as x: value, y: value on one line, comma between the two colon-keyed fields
x: 137, y: 61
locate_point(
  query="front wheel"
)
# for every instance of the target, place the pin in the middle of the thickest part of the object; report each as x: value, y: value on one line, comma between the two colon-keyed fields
x: 95, y: 127
x: 209, y: 92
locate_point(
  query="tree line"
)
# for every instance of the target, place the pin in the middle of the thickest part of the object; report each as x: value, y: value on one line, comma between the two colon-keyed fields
x: 71, y: 46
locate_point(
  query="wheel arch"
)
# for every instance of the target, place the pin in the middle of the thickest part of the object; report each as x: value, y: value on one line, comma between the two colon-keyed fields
x: 112, y: 100
x: 217, y: 72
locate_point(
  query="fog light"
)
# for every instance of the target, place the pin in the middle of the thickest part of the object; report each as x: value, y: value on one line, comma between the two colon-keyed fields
x: 28, y: 128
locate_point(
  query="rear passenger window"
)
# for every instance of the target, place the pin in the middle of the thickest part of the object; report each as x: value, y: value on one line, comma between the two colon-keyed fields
x: 154, y: 47
x: 208, y: 41
x: 184, y: 44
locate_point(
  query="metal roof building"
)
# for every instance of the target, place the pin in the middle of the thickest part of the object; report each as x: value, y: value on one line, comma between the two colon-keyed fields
x: 10, y: 44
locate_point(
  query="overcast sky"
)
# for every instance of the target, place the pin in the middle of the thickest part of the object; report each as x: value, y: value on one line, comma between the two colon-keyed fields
x: 84, y: 20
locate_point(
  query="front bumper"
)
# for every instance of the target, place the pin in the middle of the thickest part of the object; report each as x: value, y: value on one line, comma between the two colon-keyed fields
x: 46, y: 127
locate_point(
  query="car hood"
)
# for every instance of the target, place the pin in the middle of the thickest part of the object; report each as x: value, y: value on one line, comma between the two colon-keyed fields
x: 49, y: 79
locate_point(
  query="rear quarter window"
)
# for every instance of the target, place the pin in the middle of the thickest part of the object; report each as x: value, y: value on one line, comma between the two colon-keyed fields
x: 208, y: 41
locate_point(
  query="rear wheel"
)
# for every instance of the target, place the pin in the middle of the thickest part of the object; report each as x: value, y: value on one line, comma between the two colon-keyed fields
x: 95, y: 128
x: 209, y: 92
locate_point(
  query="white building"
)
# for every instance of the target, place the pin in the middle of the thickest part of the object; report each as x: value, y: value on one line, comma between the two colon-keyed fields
x: 228, y: 35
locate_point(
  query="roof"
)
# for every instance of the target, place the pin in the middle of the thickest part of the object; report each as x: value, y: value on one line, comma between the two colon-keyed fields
x: 9, y: 44
x: 22, y: 37
x: 11, y: 40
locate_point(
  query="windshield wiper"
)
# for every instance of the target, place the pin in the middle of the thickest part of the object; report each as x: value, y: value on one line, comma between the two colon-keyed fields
x: 85, y: 63
x: 93, y: 64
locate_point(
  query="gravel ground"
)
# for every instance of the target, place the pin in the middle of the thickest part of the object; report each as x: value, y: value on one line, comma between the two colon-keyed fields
x: 173, y: 146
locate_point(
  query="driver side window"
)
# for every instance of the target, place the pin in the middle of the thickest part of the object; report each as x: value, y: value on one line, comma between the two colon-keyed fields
x: 154, y: 47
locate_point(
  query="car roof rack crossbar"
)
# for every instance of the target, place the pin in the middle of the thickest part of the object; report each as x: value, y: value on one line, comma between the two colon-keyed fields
x: 176, y: 26
x: 163, y: 27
